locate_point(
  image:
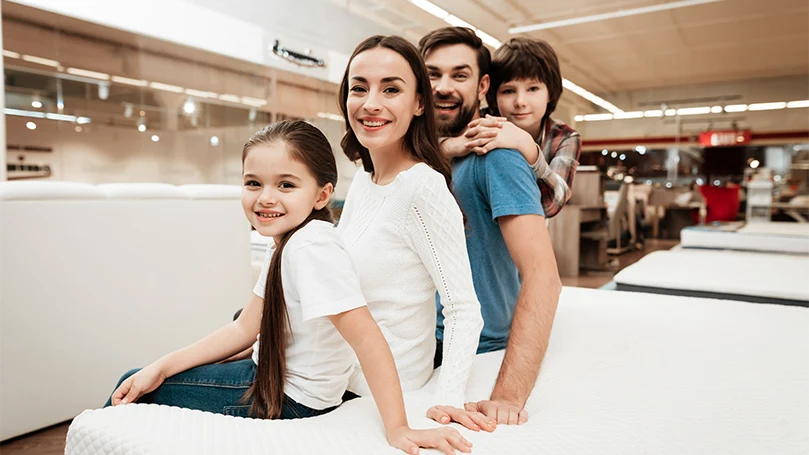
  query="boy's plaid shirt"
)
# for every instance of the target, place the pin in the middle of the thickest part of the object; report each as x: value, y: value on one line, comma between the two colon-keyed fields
x: 560, y: 148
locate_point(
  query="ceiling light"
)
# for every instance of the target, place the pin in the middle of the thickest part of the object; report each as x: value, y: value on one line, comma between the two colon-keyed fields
x: 579, y: 118
x: 755, y: 164
x: 36, y: 104
x: 488, y: 39
x: 640, y: 149
x: 716, y: 183
x: 716, y: 110
x: 214, y: 141
x: 166, y: 87
x: 77, y: 129
x: 230, y: 98
x: 700, y: 182
x: 88, y: 73
x: 622, y: 157
x: 694, y: 111
x: 41, y: 61
x: 455, y: 21
x: 189, y: 107
x: 669, y: 184
x: 605, y: 16
x: 141, y: 128
x: 155, y: 138
x: 430, y: 8
x: 597, y: 117
x: 257, y: 102
x: 128, y: 81
x: 45, y: 115
x: 141, y: 123
x: 736, y: 108
x: 670, y: 112
x: 103, y: 91
x: 614, y: 154
x: 604, y: 152
x: 597, y: 100
x: 766, y: 106
x: 626, y: 115
x: 796, y: 104
x: 31, y: 125
x: 10, y: 54
x: 200, y: 93
x: 60, y: 105
x: 653, y: 113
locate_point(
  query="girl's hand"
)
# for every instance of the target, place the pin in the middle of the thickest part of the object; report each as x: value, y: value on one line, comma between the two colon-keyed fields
x: 139, y: 384
x: 447, y: 440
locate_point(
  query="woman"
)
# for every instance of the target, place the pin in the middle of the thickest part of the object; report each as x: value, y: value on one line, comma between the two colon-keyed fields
x: 402, y: 227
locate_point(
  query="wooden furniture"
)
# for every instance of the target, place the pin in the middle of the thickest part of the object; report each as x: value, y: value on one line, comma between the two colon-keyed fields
x: 579, y: 231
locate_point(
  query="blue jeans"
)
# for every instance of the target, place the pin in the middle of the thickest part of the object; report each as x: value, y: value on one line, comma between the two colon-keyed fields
x: 216, y: 388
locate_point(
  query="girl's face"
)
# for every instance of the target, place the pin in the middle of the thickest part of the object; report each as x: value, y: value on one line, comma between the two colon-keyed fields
x: 382, y: 98
x: 279, y: 192
x: 523, y: 102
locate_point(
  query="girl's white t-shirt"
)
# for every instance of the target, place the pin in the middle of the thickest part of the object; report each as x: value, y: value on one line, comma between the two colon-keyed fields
x: 319, y: 280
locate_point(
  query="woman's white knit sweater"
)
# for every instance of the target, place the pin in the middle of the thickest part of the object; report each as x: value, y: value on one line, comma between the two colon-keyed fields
x: 407, y: 241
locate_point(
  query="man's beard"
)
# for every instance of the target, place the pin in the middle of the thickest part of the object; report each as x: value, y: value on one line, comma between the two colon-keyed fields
x: 456, y: 127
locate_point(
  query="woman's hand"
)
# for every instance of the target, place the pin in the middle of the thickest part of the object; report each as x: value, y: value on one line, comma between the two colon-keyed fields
x: 139, y: 384
x: 473, y: 420
x: 447, y: 440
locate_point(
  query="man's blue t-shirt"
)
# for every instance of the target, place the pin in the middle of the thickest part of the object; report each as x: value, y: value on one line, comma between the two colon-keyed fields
x: 499, y: 183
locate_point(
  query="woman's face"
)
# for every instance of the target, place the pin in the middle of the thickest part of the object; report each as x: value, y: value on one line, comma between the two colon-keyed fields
x: 382, y: 98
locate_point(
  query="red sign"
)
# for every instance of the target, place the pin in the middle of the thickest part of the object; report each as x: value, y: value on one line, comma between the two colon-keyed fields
x: 724, y: 138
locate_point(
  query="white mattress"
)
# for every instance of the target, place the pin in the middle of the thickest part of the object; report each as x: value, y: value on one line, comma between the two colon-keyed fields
x: 626, y: 373
x: 778, y: 276
x: 766, y: 237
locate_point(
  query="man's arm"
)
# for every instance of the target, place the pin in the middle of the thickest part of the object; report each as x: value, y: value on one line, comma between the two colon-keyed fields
x: 529, y: 244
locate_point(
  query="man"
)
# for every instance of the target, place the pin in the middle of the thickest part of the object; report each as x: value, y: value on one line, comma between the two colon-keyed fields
x: 508, y: 239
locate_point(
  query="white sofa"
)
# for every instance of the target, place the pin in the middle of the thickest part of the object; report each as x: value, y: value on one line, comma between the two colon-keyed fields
x: 98, y: 279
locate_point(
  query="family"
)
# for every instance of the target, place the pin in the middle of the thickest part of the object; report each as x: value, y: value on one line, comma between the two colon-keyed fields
x: 442, y: 250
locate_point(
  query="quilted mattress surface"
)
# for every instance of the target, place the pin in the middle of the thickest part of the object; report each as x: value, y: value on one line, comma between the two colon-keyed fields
x: 765, y: 237
x: 625, y: 373
x: 780, y: 276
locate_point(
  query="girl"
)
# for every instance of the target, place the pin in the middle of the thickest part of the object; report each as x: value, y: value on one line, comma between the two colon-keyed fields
x: 307, y: 313
x: 402, y: 227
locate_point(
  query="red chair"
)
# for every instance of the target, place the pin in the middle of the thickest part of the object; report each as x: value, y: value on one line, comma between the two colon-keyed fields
x: 722, y: 203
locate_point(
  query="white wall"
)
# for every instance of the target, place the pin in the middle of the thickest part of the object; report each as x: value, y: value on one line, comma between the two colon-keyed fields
x: 241, y: 29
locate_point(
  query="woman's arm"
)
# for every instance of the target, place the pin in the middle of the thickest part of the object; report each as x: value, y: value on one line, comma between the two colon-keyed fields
x: 360, y: 330
x: 226, y: 341
x: 436, y: 230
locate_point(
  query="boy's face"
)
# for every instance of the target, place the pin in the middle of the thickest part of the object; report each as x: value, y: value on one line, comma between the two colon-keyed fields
x: 523, y: 102
x: 457, y: 86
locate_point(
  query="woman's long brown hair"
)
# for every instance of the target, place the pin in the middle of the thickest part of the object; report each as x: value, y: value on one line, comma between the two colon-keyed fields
x: 307, y: 145
x: 421, y: 139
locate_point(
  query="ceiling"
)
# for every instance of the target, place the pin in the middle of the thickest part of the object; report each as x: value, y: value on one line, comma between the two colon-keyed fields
x: 729, y: 40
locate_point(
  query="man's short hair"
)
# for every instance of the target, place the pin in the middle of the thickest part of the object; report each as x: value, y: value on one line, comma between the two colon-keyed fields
x: 447, y: 36
x: 524, y: 58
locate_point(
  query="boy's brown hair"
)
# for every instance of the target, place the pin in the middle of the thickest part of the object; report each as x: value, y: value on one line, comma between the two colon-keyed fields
x: 458, y: 35
x: 525, y: 58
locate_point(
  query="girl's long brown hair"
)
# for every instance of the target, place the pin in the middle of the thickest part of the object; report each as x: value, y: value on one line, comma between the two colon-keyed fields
x: 421, y: 139
x: 307, y: 145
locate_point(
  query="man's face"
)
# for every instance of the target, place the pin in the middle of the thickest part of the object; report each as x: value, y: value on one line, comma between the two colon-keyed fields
x: 457, y: 86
